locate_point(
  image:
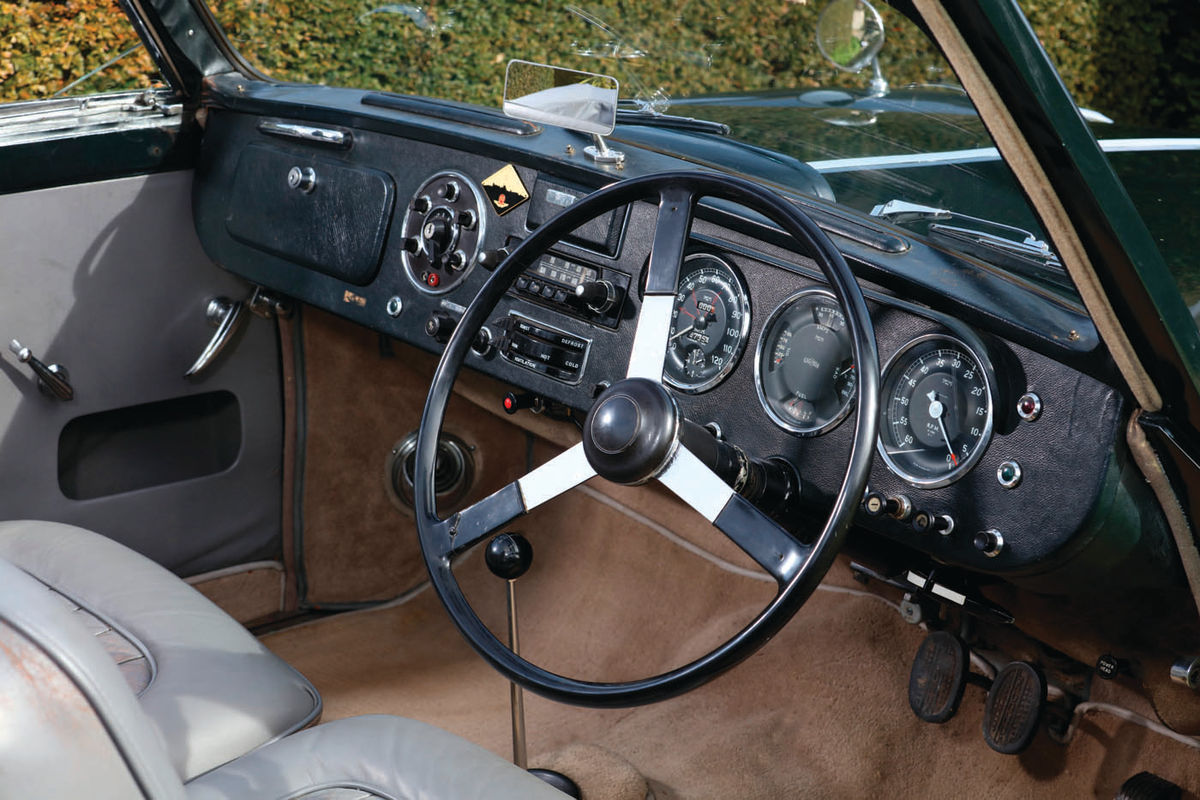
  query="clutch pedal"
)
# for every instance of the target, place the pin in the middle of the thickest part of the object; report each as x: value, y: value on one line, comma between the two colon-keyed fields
x: 938, y: 677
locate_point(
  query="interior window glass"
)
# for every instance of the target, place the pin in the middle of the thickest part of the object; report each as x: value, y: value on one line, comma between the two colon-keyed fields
x: 59, y: 48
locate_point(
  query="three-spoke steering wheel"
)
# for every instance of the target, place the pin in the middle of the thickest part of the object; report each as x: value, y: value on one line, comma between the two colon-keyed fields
x: 632, y: 435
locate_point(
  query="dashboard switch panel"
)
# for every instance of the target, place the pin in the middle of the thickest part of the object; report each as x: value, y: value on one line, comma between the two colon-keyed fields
x: 543, y: 349
x: 443, y: 230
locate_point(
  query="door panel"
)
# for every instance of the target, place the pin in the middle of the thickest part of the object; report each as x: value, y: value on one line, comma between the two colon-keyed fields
x: 108, y: 280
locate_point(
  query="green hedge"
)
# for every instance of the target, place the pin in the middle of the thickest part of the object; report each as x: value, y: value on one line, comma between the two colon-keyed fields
x: 1137, y: 62
x: 459, y: 50
x: 46, y: 45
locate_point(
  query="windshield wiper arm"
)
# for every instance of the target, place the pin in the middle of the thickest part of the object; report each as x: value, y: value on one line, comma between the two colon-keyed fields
x: 641, y: 114
x: 1029, y: 256
x: 902, y: 211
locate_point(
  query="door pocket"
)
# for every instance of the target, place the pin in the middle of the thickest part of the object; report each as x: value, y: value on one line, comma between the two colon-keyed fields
x: 137, y: 447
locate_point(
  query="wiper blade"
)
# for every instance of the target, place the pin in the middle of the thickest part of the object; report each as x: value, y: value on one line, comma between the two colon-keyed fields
x: 1028, y: 256
x: 642, y: 115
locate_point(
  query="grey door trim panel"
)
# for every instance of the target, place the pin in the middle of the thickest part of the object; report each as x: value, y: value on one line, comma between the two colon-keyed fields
x: 109, y: 279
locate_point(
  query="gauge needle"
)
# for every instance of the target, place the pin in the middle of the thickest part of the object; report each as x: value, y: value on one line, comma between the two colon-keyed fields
x: 937, y: 410
x: 685, y: 330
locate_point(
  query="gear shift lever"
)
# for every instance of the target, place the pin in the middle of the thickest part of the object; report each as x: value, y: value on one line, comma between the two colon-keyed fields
x: 508, y: 556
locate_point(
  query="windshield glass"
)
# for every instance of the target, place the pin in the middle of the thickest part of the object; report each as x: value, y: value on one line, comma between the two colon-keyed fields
x: 873, y: 130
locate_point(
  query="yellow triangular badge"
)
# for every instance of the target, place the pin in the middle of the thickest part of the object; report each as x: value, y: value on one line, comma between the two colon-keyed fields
x: 505, y: 189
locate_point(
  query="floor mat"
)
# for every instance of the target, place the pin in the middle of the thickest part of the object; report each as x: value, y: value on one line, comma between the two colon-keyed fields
x: 821, y: 711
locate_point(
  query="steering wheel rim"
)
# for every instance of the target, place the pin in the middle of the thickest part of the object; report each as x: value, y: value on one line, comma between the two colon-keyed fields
x: 441, y: 540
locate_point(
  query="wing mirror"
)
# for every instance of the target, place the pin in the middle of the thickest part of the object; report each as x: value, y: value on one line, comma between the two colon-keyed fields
x: 579, y: 101
x: 850, y: 36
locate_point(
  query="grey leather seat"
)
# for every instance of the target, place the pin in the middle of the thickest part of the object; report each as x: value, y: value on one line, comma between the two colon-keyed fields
x: 71, y: 727
x: 211, y: 691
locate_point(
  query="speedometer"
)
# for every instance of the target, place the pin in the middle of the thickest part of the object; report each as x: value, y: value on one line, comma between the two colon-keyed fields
x: 805, y: 365
x: 937, y: 411
x: 708, y: 325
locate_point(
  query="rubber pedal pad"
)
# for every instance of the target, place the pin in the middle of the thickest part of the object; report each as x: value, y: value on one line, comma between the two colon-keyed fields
x: 1148, y: 786
x: 938, y: 677
x: 1014, y: 708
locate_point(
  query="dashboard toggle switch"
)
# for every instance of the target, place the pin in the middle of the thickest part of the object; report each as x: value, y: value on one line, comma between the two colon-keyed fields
x: 989, y: 542
x: 876, y: 504
x: 440, y: 325
x: 924, y: 522
x: 514, y: 401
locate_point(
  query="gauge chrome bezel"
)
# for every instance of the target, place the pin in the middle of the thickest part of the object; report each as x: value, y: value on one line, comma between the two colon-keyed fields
x: 790, y: 425
x: 744, y: 302
x: 985, y: 437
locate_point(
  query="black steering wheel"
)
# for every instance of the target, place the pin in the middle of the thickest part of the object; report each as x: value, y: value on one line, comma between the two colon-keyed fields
x: 632, y: 435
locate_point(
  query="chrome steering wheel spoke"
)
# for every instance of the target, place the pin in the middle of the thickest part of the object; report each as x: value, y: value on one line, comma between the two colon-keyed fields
x: 650, y: 340
x: 771, y: 547
x: 560, y: 474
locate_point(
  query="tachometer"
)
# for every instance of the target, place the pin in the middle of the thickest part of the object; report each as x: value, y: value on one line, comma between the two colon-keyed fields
x: 937, y: 411
x: 709, y: 324
x: 805, y: 366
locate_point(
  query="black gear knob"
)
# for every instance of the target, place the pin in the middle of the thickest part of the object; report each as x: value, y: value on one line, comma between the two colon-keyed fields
x: 508, y: 556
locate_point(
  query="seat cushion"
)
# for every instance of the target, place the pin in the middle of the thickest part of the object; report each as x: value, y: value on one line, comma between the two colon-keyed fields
x: 211, y: 689
x: 376, y: 756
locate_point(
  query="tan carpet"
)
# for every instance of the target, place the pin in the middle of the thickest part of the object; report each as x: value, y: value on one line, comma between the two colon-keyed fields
x: 821, y: 711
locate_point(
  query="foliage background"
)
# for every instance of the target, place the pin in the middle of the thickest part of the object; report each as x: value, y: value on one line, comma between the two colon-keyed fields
x: 1138, y: 62
x: 44, y: 46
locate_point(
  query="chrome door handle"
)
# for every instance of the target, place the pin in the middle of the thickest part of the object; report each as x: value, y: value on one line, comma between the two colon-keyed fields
x: 226, y: 316
x: 53, y: 380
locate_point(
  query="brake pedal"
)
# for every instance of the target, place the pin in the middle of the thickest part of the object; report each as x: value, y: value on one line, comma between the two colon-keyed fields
x: 1014, y: 708
x: 938, y: 677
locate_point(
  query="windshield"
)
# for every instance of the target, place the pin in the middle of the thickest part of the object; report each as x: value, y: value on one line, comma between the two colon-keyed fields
x: 864, y: 132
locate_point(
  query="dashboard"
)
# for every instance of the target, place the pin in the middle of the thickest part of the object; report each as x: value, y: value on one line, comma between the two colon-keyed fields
x: 999, y: 451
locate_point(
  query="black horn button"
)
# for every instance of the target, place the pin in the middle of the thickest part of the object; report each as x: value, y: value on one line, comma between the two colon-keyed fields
x: 616, y: 424
x: 630, y: 432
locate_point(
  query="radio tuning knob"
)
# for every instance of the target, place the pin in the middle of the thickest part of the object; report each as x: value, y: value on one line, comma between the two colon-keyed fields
x: 599, y: 296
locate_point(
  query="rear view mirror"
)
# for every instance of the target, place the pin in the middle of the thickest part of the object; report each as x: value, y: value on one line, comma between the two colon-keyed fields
x: 580, y: 101
x: 849, y: 34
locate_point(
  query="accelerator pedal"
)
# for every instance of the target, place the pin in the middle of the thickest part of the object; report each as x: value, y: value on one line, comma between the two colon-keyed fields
x: 1148, y: 786
x: 1014, y: 708
x: 938, y: 677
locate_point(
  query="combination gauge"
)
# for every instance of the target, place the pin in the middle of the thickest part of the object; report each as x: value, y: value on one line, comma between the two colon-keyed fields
x: 709, y: 325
